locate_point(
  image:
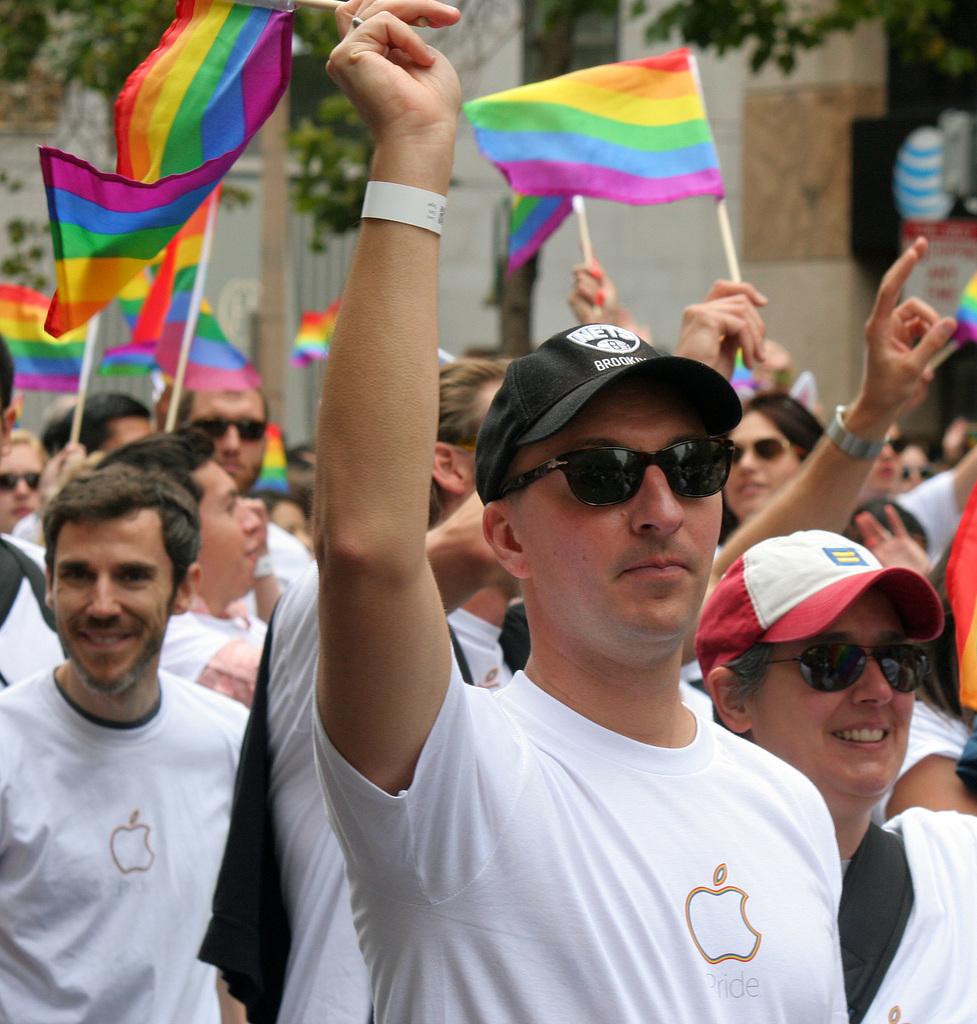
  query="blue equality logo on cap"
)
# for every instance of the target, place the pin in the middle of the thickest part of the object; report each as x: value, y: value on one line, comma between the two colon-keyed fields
x: 844, y: 556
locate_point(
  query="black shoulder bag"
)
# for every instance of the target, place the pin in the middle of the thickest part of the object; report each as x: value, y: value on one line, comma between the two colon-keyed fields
x: 876, y: 899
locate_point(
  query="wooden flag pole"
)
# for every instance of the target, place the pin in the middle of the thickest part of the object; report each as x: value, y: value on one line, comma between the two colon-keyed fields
x: 87, y: 359
x: 581, y: 211
x: 193, y: 313
x: 943, y: 355
x: 727, y: 236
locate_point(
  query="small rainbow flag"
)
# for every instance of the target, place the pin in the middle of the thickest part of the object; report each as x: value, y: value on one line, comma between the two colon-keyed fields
x: 187, y: 112
x: 41, y: 362
x: 135, y: 293
x: 315, y: 333
x: 274, y: 466
x: 634, y: 132
x: 961, y: 586
x: 137, y: 357
x: 214, y: 364
x: 534, y: 219
x: 967, y: 314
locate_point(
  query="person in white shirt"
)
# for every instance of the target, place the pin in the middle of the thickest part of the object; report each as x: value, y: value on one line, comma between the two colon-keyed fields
x: 579, y: 846
x: 116, y: 778
x: 812, y: 650
x: 236, y: 421
x: 217, y: 640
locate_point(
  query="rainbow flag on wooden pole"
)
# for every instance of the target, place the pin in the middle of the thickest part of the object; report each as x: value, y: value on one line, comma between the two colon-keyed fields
x: 41, y: 361
x: 961, y: 585
x: 634, y: 132
x: 182, y: 120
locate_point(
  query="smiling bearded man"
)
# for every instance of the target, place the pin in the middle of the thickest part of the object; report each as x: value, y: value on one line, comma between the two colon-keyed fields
x: 115, y: 778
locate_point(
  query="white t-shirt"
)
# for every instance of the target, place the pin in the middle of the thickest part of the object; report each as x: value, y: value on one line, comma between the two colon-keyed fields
x: 934, y: 504
x: 933, y: 976
x: 288, y: 555
x: 480, y: 642
x: 326, y: 981
x: 27, y: 643
x: 192, y: 639
x: 110, y: 844
x: 543, y: 869
x: 930, y: 733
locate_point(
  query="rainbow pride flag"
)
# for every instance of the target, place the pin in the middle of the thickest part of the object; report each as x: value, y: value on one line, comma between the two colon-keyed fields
x: 534, y: 219
x: 634, y: 132
x: 961, y: 586
x: 135, y: 293
x: 41, y: 362
x: 967, y: 314
x: 274, y: 465
x: 315, y: 333
x: 138, y: 357
x: 213, y: 364
x: 182, y: 120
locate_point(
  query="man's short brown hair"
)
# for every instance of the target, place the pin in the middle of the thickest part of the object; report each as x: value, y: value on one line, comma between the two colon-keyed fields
x: 111, y: 492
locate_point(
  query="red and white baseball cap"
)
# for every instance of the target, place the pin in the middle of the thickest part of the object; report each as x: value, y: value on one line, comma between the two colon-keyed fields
x: 792, y: 588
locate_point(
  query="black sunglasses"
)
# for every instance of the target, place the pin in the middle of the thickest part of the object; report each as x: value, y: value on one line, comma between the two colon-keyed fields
x: 608, y: 476
x: 8, y: 481
x: 216, y: 427
x: 767, y: 448
x: 833, y: 667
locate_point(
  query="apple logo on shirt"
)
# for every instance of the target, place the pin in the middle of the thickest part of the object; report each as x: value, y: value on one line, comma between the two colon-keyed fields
x: 129, y: 846
x: 718, y: 923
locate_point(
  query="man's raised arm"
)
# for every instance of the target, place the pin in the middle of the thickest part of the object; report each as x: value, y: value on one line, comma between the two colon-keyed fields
x: 900, y: 339
x: 385, y: 656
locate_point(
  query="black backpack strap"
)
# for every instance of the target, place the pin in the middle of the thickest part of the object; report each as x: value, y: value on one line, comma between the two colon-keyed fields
x: 35, y: 577
x: 876, y: 899
x: 466, y: 672
x: 11, y: 576
x: 514, y: 639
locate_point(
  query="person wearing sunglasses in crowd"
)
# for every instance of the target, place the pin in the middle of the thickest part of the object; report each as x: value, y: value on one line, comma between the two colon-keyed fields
x: 813, y: 650
x: 774, y: 436
x: 544, y: 853
x: 20, y: 485
x: 236, y: 422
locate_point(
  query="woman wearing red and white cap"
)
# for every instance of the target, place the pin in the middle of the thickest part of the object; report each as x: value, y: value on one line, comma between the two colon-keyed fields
x: 812, y: 650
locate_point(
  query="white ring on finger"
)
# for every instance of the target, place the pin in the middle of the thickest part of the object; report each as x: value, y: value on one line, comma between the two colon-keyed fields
x: 356, y: 22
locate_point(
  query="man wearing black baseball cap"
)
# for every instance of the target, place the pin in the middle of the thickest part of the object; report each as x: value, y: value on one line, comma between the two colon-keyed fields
x: 579, y: 847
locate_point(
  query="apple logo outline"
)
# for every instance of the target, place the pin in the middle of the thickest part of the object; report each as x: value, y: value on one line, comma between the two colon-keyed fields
x: 720, y: 892
x: 134, y: 839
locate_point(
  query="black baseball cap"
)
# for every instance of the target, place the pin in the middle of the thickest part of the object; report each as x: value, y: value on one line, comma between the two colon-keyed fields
x: 544, y: 391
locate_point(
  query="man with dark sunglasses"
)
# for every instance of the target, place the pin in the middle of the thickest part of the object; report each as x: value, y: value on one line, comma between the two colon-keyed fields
x: 236, y: 422
x: 812, y: 650
x: 579, y: 847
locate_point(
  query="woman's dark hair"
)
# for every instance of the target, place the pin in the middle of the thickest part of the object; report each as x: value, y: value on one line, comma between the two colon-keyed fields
x: 790, y: 418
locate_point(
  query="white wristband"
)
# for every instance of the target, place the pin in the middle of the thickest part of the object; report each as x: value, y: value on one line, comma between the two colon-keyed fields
x: 264, y: 567
x: 386, y: 200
